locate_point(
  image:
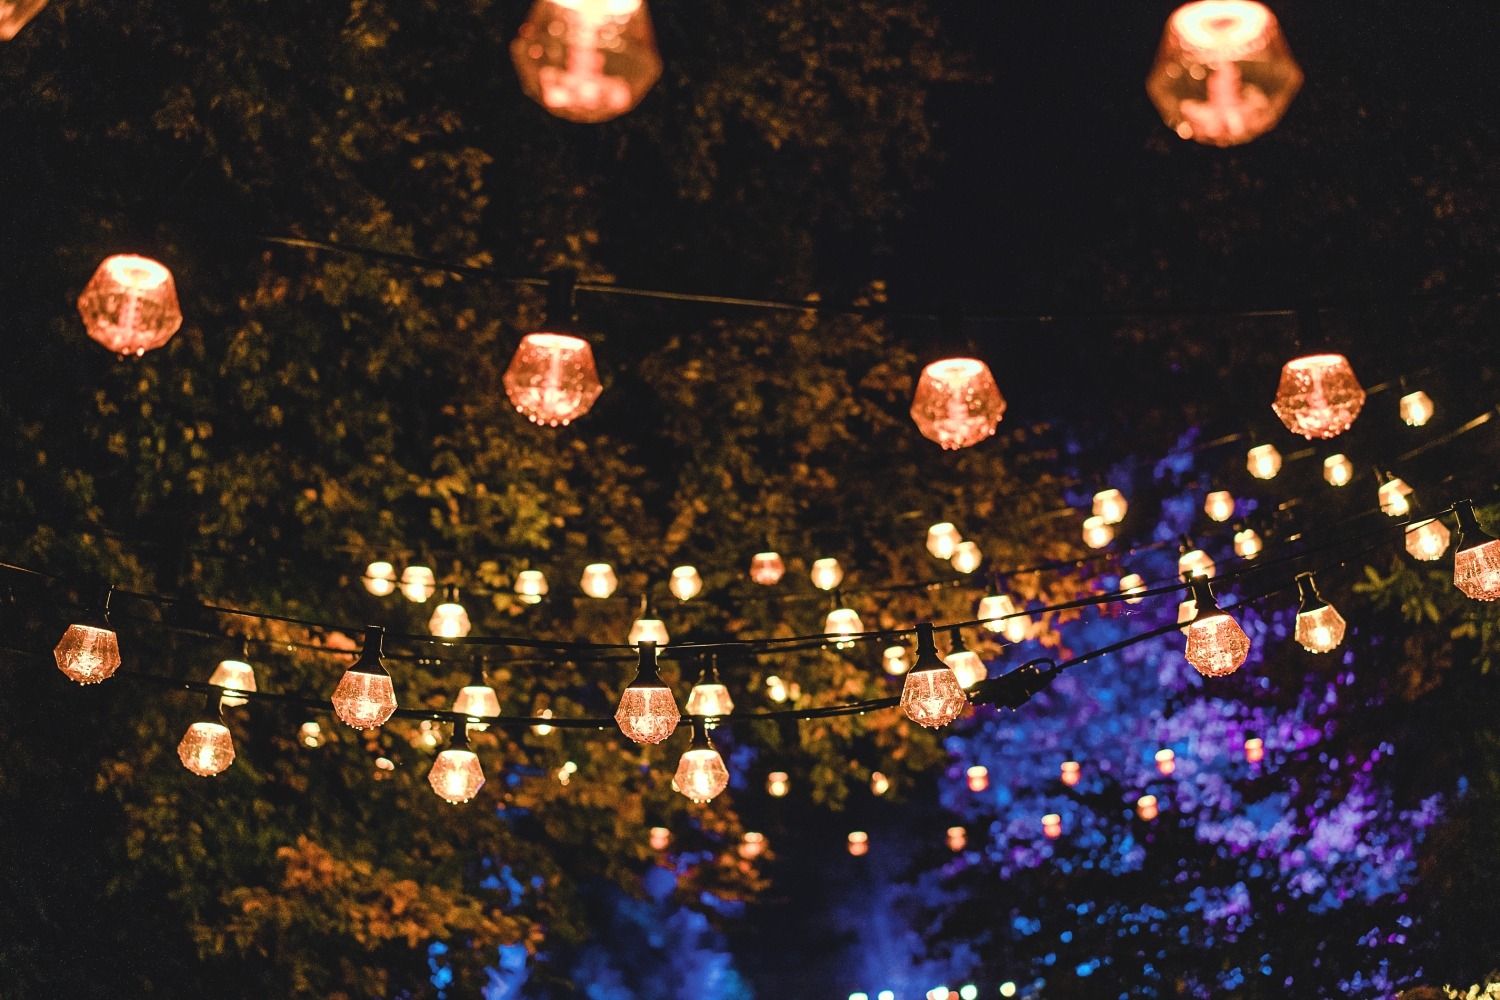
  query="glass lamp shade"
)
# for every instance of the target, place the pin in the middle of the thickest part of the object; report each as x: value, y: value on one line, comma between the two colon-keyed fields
x: 1132, y: 585
x: 1110, y: 505
x: 652, y: 630
x: 418, y: 584
x: 1394, y: 497
x: 234, y: 676
x: 206, y: 749
x: 647, y: 712
x: 778, y: 784
x: 1196, y: 562
x: 711, y: 700
x: 766, y: 568
x: 1263, y: 461
x: 88, y: 654
x: 1224, y: 74
x: 586, y: 60
x: 1097, y: 533
x: 1427, y: 540
x: 967, y: 667
x: 966, y: 557
x: 130, y: 304
x: 1146, y: 807
x: 1338, y: 470
x: 1052, y: 826
x: 14, y: 15
x: 932, y: 696
x: 1476, y: 563
x: 449, y: 621
x: 843, y: 621
x: 531, y: 586
x: 752, y: 845
x: 977, y: 777
x: 365, y: 697
x: 456, y: 776
x: 685, y: 584
x: 895, y: 660
x: 1219, y: 505
x: 701, y: 774
x: 942, y: 539
x: 477, y: 700
x: 1216, y: 645
x: 598, y: 580
x: 826, y: 574
x: 380, y: 578
x: 1318, y: 397
x: 1416, y: 408
x: 957, y: 403
x: 1248, y: 544
x: 551, y: 379
x: 1071, y: 773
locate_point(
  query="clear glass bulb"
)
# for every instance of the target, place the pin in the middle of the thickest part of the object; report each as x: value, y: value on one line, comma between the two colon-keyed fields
x: 701, y: 774
x: 1318, y: 397
x: 826, y: 573
x: 1263, y: 461
x: 648, y: 630
x: 364, y: 700
x: 843, y: 622
x: 456, y: 776
x: 879, y: 783
x: 477, y: 701
x: 957, y: 403
x: 711, y: 700
x: 234, y: 676
x: 88, y: 654
x: 206, y: 749
x: 942, y: 539
x: 130, y: 304
x: 551, y: 380
x: 1427, y: 540
x: 685, y: 584
x: 1320, y: 630
x: 967, y: 667
x: 598, y: 580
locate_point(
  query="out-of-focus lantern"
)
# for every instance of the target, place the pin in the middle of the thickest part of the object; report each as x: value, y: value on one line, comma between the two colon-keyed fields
x: 478, y: 701
x: 966, y: 557
x: 1194, y: 562
x: 1318, y: 397
x: 1320, y: 628
x: 1247, y: 543
x: 1255, y: 750
x: 752, y: 845
x: 1216, y: 645
x: 1394, y: 496
x: 1072, y: 772
x: 1476, y: 561
x: 999, y: 614
x: 957, y: 403
x: 647, y: 712
x: 598, y: 580
x: 1052, y: 826
x: 14, y: 15
x: 531, y: 586
x: 456, y: 775
x: 701, y: 773
x: 648, y: 629
x: 895, y: 660
x: 1110, y: 505
x: 418, y: 584
x: 942, y: 539
x: 365, y: 697
x: 766, y: 568
x: 1219, y: 505
x: 843, y: 622
x: 932, y: 696
x: 777, y: 689
x: 957, y: 838
x: 311, y: 735
x: 1146, y: 808
x: 879, y: 783
x: 130, y: 304
x: 380, y: 578
x: 1166, y: 761
x: 859, y: 843
x: 1263, y: 461
x: 978, y: 778
x: 235, y: 677
x: 449, y: 619
x: 661, y: 837
x: 777, y: 784
x: 1427, y: 540
x: 542, y: 729
x: 586, y: 60
x: 1097, y: 533
x: 709, y: 697
x: 826, y: 573
x: 1133, y: 586
x: 964, y: 662
x: 1224, y: 74
x: 1338, y: 470
x: 1416, y: 408
x: 685, y: 584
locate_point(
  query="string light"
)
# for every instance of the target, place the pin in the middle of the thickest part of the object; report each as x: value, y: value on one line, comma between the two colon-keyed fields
x: 1052, y: 826
x: 957, y: 403
x: 457, y: 775
x: 1338, y: 470
x: 477, y: 700
x: 598, y: 580
x: 1416, y: 408
x: 449, y: 619
x: 1263, y: 461
x: 1216, y: 645
x: 978, y: 778
x: 551, y: 379
x: 541, y: 728
x: 1318, y: 397
x: 130, y: 305
x: 685, y: 584
x: 843, y: 622
x: 645, y: 629
x: 586, y: 60
x: 999, y: 614
x: 895, y: 660
x: 1219, y: 505
x: 1110, y: 505
x: 647, y: 712
x: 965, y: 664
x: 89, y: 654
x: 1255, y: 750
x: 1132, y: 585
x: 1247, y: 543
x: 752, y: 845
x: 710, y: 698
x: 380, y: 578
x: 701, y: 774
x: 1166, y: 761
x: 879, y: 783
x: 1427, y: 540
x: 777, y: 784
x: 826, y: 573
x: 365, y: 697
x: 958, y: 838
x: 1476, y: 560
x: 859, y: 843
x: 14, y: 15
x: 942, y: 539
x: 932, y: 696
x: 235, y: 677
x: 207, y: 748
x: 1195, y: 562
x: 1320, y: 628
x: 531, y: 586
x: 311, y: 735
x: 1395, y: 496
x: 1146, y: 808
x: 777, y: 689
x: 1071, y: 773
x: 1096, y: 532
x: 766, y: 568
x: 418, y: 584
x: 1186, y: 612
x: 661, y: 837
x: 966, y: 557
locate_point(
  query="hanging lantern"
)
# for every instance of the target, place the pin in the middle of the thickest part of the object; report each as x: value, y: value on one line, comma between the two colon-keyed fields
x: 1146, y: 808
x: 1255, y: 750
x: 1097, y: 533
x: 130, y: 304
x: 766, y: 568
x: 311, y: 735
x: 957, y: 838
x: 895, y: 660
x: 826, y: 574
x: 1195, y: 562
x: 1247, y: 543
x: 710, y: 698
x: 1223, y: 75
x: 380, y: 578
x: 1263, y: 461
x: 586, y: 60
x: 648, y: 712
x: 1219, y: 505
x: 1318, y: 397
x: 701, y: 774
x: 1052, y: 826
x: 942, y: 539
x: 1394, y: 497
x: 957, y: 403
x: 207, y: 748
x: 1338, y: 470
x: 418, y: 584
x: 777, y: 784
x: 859, y: 843
x: 1110, y: 505
x: 965, y: 664
x: 978, y: 778
x: 14, y: 15
x: 777, y: 689
x: 845, y: 622
x: 1216, y: 645
x: 1133, y: 586
x: 1416, y: 408
x: 235, y: 677
x: 752, y: 845
x: 932, y: 696
x: 1427, y: 540
x: 456, y: 775
x: 598, y: 580
x: 477, y: 701
x: 365, y: 697
x: 1320, y: 628
x: 999, y: 614
x: 449, y: 619
x: 88, y: 654
x: 551, y: 379
x: 531, y: 586
x: 1476, y: 560
x: 1166, y: 761
x: 685, y: 583
x: 652, y: 630
x: 879, y: 783
x: 660, y: 838
x: 966, y: 557
x: 1072, y: 773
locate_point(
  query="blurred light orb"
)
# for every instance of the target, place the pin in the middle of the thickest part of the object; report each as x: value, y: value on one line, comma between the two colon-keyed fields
x: 1052, y: 826
x: 652, y: 630
x: 826, y: 573
x: 1255, y: 750
x: 1394, y: 496
x: 1071, y: 773
x: 1146, y: 807
x: 752, y: 845
x: 235, y: 677
x: 895, y: 660
x: 966, y: 557
x: 598, y: 580
x: 859, y: 843
x: 766, y: 568
x: 1097, y: 533
x: 957, y: 838
x: 942, y: 539
x: 15, y: 14
x: 380, y: 578
x: 1318, y: 397
x: 130, y: 304
x: 586, y: 60
x: 450, y: 621
x: 978, y: 778
x: 1248, y: 544
x: 1263, y: 461
x: 1416, y: 408
x: 477, y: 701
x: 1219, y: 505
x: 1166, y: 761
x: 1338, y: 470
x: 1132, y: 586
x: 879, y: 783
x: 1427, y: 540
x: 418, y: 584
x: 311, y: 735
x: 778, y: 784
x: 710, y: 700
x: 967, y: 667
x: 685, y: 583
x: 1110, y: 505
x: 660, y: 838
x: 551, y: 379
x: 701, y: 774
x: 1196, y: 562
x: 957, y: 403
x: 843, y: 622
x: 531, y: 586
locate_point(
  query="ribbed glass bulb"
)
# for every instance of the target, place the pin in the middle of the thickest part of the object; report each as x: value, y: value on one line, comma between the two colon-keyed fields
x: 456, y: 776
x: 701, y: 774
x: 88, y: 654
x: 130, y: 304
x: 1318, y: 397
x: 206, y: 748
x: 957, y: 403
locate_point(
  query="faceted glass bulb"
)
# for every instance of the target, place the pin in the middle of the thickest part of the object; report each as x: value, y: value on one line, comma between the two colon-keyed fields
x: 1223, y: 75
x: 456, y: 776
x: 711, y: 700
x: 531, y: 586
x: 598, y: 580
x: 1416, y: 408
x: 551, y: 379
x: 586, y: 60
x: 1338, y: 470
x: 1072, y: 772
x: 87, y: 654
x: 942, y: 539
x: 364, y: 700
x: 978, y: 778
x: 701, y: 774
x: 966, y: 557
x: 647, y: 713
x: 1216, y: 645
x: 843, y: 621
x: 660, y: 838
x: 1146, y: 807
x: 1255, y: 749
x: 15, y: 13
x: 879, y: 783
x: 827, y: 574
x: 1263, y: 461
x: 1097, y: 533
x: 1219, y: 505
x: 130, y: 305
x: 685, y: 584
x: 310, y: 734
x: 477, y: 700
x: 766, y: 568
x: 380, y: 578
x: 1476, y: 570
x: 1320, y: 630
x: 418, y: 584
x: 1195, y: 562
x: 1247, y: 544
x: 967, y: 667
x: 1110, y: 505
x: 932, y: 696
x: 1052, y: 826
x: 957, y: 403
x: 777, y: 783
x: 859, y: 843
x: 1132, y: 584
x: 1166, y: 761
x: 1427, y: 540
x: 449, y: 621
x: 206, y: 748
x: 752, y: 845
x: 957, y: 838
x: 895, y: 660
x: 234, y: 676
x: 648, y: 630
x: 1318, y: 397
x: 1394, y: 494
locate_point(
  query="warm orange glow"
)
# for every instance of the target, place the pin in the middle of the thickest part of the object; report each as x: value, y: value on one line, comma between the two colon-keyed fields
x: 206, y: 749
x: 364, y: 700
x: 685, y: 584
x: 648, y: 630
x: 895, y: 660
x: 999, y: 614
x: 1196, y: 562
x: 709, y: 699
x: 1146, y: 808
x: 1216, y: 645
x: 859, y: 843
x: 647, y: 712
x: 88, y: 654
x: 1223, y: 75
x: 766, y: 568
x: 966, y: 557
x: 752, y: 845
x: 1072, y: 772
x: 777, y: 689
x: 1476, y: 563
x: 530, y: 587
x: 551, y: 379
x: 879, y: 783
x: 1427, y: 540
x: 958, y: 838
x: 418, y: 584
x: 586, y: 60
x: 598, y: 580
x: 1219, y: 505
x: 1097, y: 533
x: 234, y: 676
x: 967, y: 667
x: 130, y: 305
x: 311, y: 735
x: 777, y: 783
x: 1338, y: 470
x: 1166, y: 761
x: 477, y: 701
x: 1394, y: 497
x: 450, y: 621
x: 826, y: 573
x: 1052, y: 826
x: 14, y: 15
x: 1132, y: 585
x: 1416, y: 408
x: 1110, y: 505
x: 1187, y: 611
x: 1263, y: 461
x: 1318, y: 397
x: 701, y: 774
x: 661, y: 837
x: 542, y: 729
x: 942, y: 539
x: 932, y: 696
x: 978, y: 778
x: 841, y: 622
x: 957, y: 403
x: 1255, y: 750
x: 1247, y: 543
x: 456, y: 776
x: 380, y: 578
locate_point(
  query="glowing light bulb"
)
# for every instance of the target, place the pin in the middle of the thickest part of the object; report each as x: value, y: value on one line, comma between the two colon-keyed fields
x: 1263, y: 461
x: 1096, y: 533
x: 1110, y: 505
x: 1416, y: 408
x: 942, y: 539
x: 551, y: 379
x: 206, y: 749
x: 776, y: 689
x: 1223, y: 75
x: 1146, y: 808
x: 652, y: 630
x: 859, y: 843
x: 1255, y: 749
x: 598, y: 580
x: 365, y: 697
x: 1008, y: 989
x: 685, y: 584
x: 586, y: 60
x: 958, y: 838
x: 879, y: 783
x: 701, y: 774
x: 978, y: 778
x: 932, y: 695
x: 777, y: 783
x: 1338, y: 470
x: 1187, y: 611
x: 235, y: 677
x: 1072, y: 772
x: 966, y: 557
x: 826, y: 574
x: 380, y: 578
x: 531, y: 586
x: 418, y: 584
x: 967, y: 992
x: 752, y: 845
x: 843, y: 622
x: 456, y: 775
x: 1132, y: 585
x: 1219, y: 505
x: 1394, y: 497
x: 1248, y: 544
x: 1166, y: 761
x: 967, y: 667
x: 1318, y: 397
x: 1476, y: 560
x: 1216, y: 645
x: 895, y: 660
x: 1320, y: 628
x: 449, y: 619
x: 1427, y: 540
x: 660, y: 838
x: 1196, y: 562
x: 88, y: 654
x: 311, y: 735
x: 766, y: 568
x: 541, y: 728
x: 14, y: 15
x: 477, y: 701
x: 130, y: 305
x: 710, y: 699
x: 648, y: 712
x: 1052, y: 826
x: 957, y: 403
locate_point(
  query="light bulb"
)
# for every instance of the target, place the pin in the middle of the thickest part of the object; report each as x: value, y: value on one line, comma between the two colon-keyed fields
x: 1196, y: 562
x: 1320, y: 628
x: 932, y: 696
x: 685, y: 584
x: 365, y: 697
x: 586, y: 60
x: 1263, y: 461
x: 895, y: 660
x: 541, y: 728
x: 843, y: 622
x: 1052, y: 826
x: 957, y: 403
x: 966, y: 557
x: 660, y: 838
x: 1146, y: 807
x: 531, y: 586
x: 14, y: 15
x: 418, y: 584
x: 1132, y: 585
x: 449, y: 619
x: 859, y: 843
x: 1394, y: 497
x: 999, y: 614
x: 652, y: 630
x: 942, y: 539
x: 777, y: 783
x: 648, y: 712
x: 206, y: 748
x: 1247, y: 543
x: 130, y: 305
x: 957, y: 838
x: 1318, y: 397
x: 978, y: 778
x: 1416, y: 408
x: 456, y: 775
x: 1071, y: 773
x: 234, y: 676
x: 1427, y: 540
x: 826, y: 574
x: 311, y: 735
x: 551, y: 379
x: 1216, y: 645
x: 1187, y: 611
x: 1219, y: 505
x: 380, y: 578
x: 766, y: 568
x: 1476, y: 560
x: 598, y: 580
x: 1255, y: 749
x: 88, y: 654
x: 477, y: 701
x: 752, y: 845
x: 709, y: 699
x: 1110, y: 505
x: 1166, y: 761
x: 1338, y: 470
x: 701, y: 774
x: 1096, y: 533
x: 1224, y: 74
x: 879, y: 783
x: 776, y: 689
x: 967, y: 667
